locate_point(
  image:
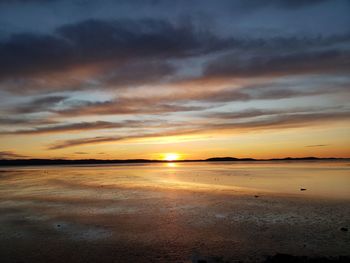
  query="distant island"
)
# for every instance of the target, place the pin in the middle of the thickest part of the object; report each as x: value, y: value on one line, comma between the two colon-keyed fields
x: 35, y: 162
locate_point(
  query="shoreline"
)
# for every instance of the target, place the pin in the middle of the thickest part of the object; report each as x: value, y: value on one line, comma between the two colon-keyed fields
x: 48, y: 162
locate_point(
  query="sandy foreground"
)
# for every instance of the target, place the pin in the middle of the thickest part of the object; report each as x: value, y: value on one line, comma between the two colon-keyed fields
x: 173, y: 213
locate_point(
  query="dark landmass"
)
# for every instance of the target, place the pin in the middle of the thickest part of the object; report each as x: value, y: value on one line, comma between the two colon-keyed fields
x: 283, y: 258
x: 286, y: 258
x: 35, y: 162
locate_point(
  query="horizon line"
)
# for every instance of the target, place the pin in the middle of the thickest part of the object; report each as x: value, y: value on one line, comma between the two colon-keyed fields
x: 58, y: 161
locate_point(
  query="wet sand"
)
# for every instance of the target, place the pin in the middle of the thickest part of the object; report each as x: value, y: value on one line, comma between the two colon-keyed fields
x: 174, y: 212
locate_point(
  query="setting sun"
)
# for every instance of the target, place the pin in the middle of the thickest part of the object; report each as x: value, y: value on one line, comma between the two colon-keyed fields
x: 171, y: 157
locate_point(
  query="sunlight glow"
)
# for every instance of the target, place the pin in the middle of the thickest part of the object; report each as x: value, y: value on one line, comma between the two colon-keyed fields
x: 171, y: 165
x: 171, y: 157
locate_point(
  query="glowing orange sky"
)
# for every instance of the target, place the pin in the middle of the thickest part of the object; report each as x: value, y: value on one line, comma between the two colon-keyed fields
x: 246, y: 81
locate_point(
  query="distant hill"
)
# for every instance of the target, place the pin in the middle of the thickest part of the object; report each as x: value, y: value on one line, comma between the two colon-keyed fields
x: 228, y: 159
x: 35, y: 162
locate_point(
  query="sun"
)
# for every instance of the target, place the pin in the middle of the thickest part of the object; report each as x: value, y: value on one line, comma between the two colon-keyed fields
x: 171, y: 157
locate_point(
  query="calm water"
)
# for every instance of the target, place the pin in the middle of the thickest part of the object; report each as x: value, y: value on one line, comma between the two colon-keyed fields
x: 173, y: 212
x: 324, y: 179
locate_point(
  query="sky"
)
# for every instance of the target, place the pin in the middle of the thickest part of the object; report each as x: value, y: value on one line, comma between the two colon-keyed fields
x: 198, y: 78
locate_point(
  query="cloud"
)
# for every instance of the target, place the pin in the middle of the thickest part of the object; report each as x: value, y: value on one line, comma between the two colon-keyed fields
x: 275, y: 121
x: 230, y: 66
x: 102, y: 139
x: 138, y: 73
x: 288, y: 120
x: 242, y: 4
x: 40, y: 104
x: 98, y: 41
x: 251, y: 113
x: 186, y: 70
x: 267, y: 116
x: 250, y: 92
x: 82, y: 126
x: 269, y: 91
x: 107, y: 54
x: 126, y: 106
x: 317, y: 145
x: 285, y: 4
x: 193, y: 100
x: 24, y: 121
x: 174, y: 100
x: 26, y: 1
x: 10, y: 155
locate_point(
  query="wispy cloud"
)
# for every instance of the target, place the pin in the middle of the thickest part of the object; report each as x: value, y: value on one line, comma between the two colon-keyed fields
x: 10, y: 155
x: 85, y: 126
x: 275, y: 121
x: 126, y: 106
x: 317, y: 145
x: 40, y: 104
x: 13, y: 121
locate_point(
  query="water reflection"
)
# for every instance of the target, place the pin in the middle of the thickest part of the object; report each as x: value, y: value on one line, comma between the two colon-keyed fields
x: 331, y: 180
x: 171, y: 164
x: 173, y: 208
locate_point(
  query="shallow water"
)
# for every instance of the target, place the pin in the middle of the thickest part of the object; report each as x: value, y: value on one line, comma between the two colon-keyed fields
x: 323, y: 179
x: 175, y: 211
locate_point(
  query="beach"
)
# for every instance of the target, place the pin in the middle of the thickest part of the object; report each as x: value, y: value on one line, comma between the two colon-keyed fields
x: 174, y: 212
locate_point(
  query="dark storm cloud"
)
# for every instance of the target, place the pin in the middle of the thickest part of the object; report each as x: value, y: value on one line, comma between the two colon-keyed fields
x: 26, y: 54
x: 139, y: 73
x: 27, y: 1
x: 290, y: 64
x: 253, y: 4
x: 95, y: 76
x: 115, y: 48
x: 97, y: 41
